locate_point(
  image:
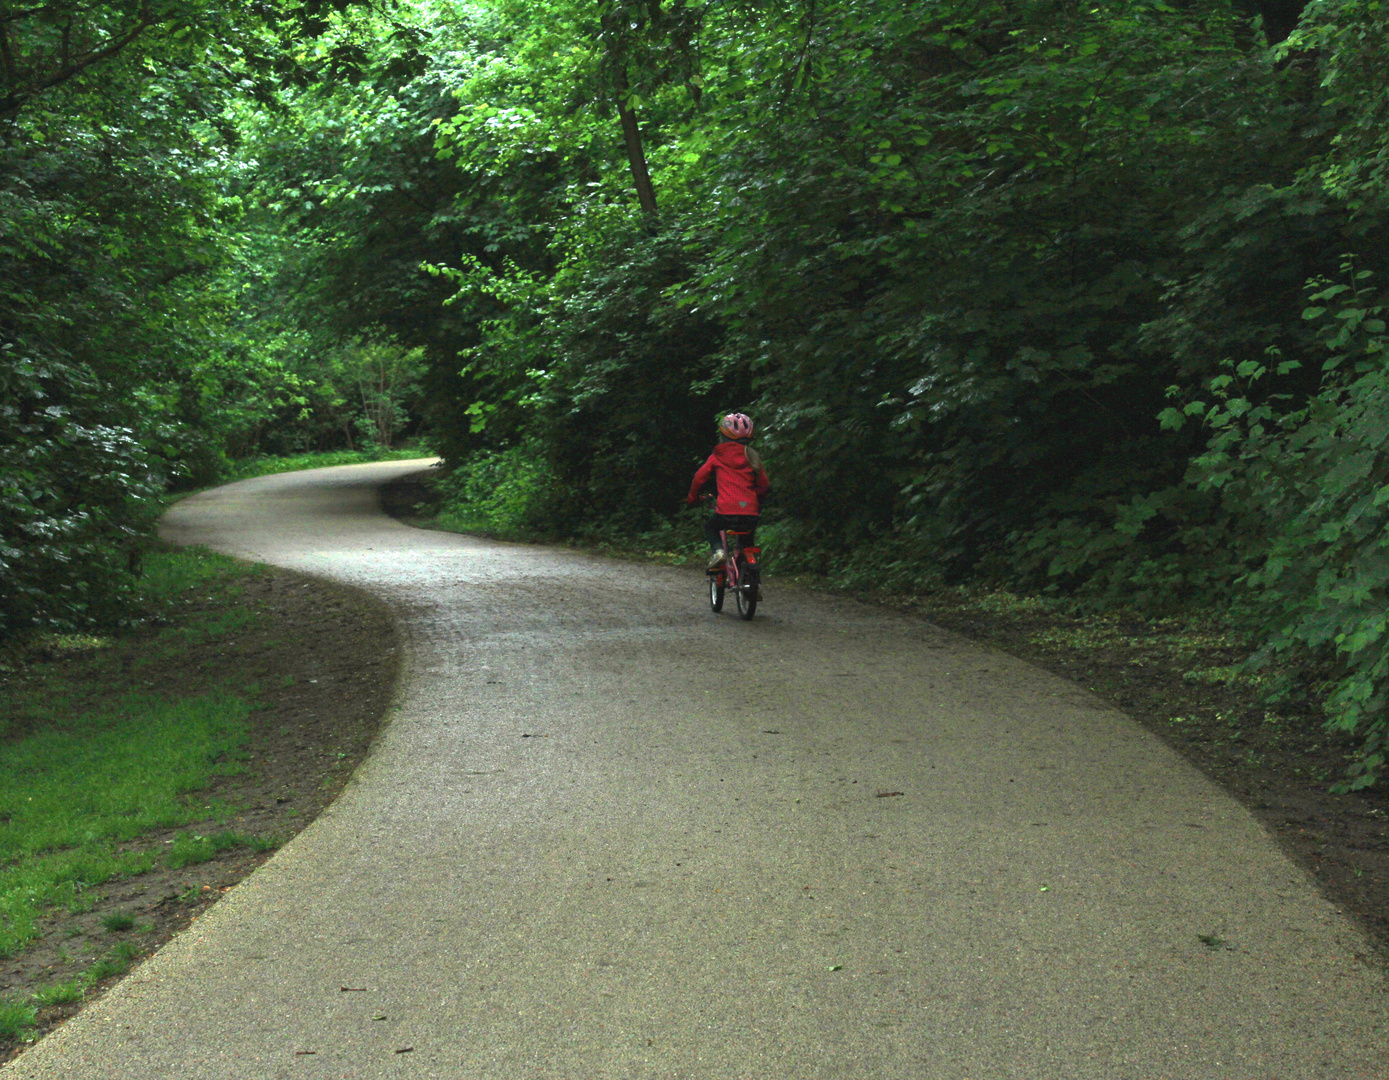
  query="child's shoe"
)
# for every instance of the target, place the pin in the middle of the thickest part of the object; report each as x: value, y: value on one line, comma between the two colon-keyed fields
x: 717, y: 558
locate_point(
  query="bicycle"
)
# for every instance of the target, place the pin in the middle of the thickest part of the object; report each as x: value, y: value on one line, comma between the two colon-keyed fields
x: 739, y: 572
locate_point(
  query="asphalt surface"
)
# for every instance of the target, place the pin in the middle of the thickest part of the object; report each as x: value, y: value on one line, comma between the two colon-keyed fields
x: 607, y: 834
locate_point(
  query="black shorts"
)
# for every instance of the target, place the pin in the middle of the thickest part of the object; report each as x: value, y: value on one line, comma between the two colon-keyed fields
x: 743, y: 523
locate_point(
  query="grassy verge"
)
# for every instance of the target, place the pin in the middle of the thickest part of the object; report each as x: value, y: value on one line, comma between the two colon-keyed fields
x: 116, y: 962
x: 265, y: 466
x: 165, y: 760
x: 98, y: 762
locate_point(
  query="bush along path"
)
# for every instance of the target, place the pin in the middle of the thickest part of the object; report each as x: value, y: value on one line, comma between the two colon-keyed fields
x: 1176, y: 676
x: 144, y: 773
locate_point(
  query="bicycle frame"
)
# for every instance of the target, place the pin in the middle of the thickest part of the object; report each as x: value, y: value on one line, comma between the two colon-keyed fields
x: 733, y: 545
x: 739, y: 573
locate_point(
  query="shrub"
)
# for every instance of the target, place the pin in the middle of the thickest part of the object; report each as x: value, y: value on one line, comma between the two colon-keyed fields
x: 1310, y: 486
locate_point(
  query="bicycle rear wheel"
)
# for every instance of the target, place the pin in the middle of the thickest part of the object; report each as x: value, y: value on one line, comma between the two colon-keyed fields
x: 746, y: 594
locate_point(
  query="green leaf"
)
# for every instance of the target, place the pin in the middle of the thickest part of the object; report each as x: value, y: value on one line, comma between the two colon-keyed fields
x: 1172, y: 420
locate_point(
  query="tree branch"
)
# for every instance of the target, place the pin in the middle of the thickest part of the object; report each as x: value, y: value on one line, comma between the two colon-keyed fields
x: 27, y: 13
x: 16, y: 100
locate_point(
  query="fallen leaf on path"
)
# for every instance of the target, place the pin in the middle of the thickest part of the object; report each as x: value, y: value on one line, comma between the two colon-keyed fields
x: 405, y: 1050
x: 304, y: 1053
x: 888, y: 794
x: 836, y: 967
x: 353, y: 989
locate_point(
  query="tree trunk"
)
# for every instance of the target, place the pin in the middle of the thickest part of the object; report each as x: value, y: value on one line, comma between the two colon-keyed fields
x: 636, y: 156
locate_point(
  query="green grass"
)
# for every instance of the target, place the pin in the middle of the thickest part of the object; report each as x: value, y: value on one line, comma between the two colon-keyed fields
x: 117, y: 961
x: 265, y: 466
x: 188, y: 850
x: 70, y: 794
x: 16, y: 1018
x: 88, y: 766
x: 61, y: 993
x: 171, y: 574
x: 195, y: 632
x: 117, y: 921
x: 115, y: 771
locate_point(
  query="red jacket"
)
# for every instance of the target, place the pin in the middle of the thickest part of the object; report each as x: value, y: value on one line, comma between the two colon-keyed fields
x: 741, y: 483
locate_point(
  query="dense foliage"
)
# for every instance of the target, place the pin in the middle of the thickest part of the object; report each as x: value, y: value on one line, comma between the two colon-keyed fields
x: 123, y: 200
x: 111, y: 202
x: 1016, y: 290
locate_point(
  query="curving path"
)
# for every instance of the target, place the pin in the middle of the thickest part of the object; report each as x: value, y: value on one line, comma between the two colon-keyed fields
x: 608, y: 835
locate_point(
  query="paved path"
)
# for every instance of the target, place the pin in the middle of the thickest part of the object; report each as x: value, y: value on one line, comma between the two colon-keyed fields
x: 608, y: 835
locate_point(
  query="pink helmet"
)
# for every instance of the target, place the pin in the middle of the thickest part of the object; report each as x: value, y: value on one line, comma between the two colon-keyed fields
x: 736, y: 426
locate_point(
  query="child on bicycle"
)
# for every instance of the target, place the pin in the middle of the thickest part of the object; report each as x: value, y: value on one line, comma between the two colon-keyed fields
x: 740, y: 480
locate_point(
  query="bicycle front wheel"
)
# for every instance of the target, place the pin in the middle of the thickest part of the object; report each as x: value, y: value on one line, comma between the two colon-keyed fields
x: 746, y: 595
x: 716, y: 587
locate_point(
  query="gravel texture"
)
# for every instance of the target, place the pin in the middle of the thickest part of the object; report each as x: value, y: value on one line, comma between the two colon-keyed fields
x: 608, y: 834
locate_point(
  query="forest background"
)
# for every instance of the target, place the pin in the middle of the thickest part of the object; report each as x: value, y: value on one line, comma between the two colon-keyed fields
x: 1078, y: 299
